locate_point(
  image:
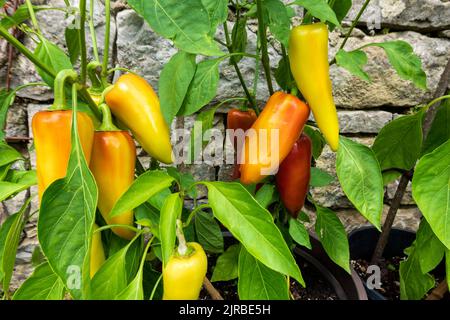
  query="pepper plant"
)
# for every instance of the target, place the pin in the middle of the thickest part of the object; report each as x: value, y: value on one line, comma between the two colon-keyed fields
x: 144, y: 230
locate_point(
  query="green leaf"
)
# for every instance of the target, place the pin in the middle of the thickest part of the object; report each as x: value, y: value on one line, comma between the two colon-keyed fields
x: 252, y: 225
x: 170, y: 212
x: 405, y: 62
x: 148, y: 216
x: 283, y: 74
x: 43, y: 284
x: 447, y: 266
x: 53, y: 57
x: 257, y: 282
x: 8, y: 154
x: 341, y: 8
x: 4, y: 171
x: 239, y: 38
x: 318, y: 141
x: 203, y: 87
x: 440, y: 129
x: 6, y: 100
x: 431, y: 190
x: 142, y: 189
x: 266, y: 195
x: 360, y: 177
x: 298, y: 232
x: 429, y: 249
x: 208, y: 232
x: 186, y: 23
x: 134, y: 291
x: 174, y: 83
x: 72, y: 37
x: 320, y: 178
x: 20, y: 16
x: 217, y: 11
x: 390, y: 176
x: 278, y: 20
x: 332, y: 235
x: 353, y: 62
x: 399, y: 143
x: 319, y: 9
x: 227, y: 264
x: 111, y: 279
x: 413, y: 283
x: 16, y: 183
x: 203, y: 122
x: 66, y: 219
x: 185, y: 179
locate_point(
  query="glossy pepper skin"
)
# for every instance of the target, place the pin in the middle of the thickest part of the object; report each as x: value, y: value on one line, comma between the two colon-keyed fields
x: 112, y: 164
x: 97, y: 252
x: 183, y: 275
x: 133, y: 101
x: 308, y: 56
x: 52, y: 141
x: 288, y: 115
x: 239, y: 119
x: 294, y: 174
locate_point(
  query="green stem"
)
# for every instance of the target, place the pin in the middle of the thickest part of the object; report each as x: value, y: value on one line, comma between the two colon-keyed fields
x: 194, y: 212
x: 107, y: 122
x: 120, y: 69
x: 437, y: 100
x: 236, y: 68
x: 107, y: 35
x: 31, y: 84
x: 358, y: 16
x: 263, y: 38
x: 147, y: 247
x: 182, y: 246
x: 92, y: 30
x: 33, y: 17
x: 110, y: 226
x: 60, y: 88
x: 155, y: 287
x: 83, y: 50
x: 92, y: 70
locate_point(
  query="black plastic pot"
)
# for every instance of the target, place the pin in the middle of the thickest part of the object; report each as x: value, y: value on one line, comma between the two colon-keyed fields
x: 363, y: 241
x: 347, y: 287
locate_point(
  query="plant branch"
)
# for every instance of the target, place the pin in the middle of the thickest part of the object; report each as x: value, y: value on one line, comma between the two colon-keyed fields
x: 82, y: 33
x: 263, y: 38
x: 438, y: 292
x: 33, y: 17
x: 395, y: 204
x: 107, y: 36
x: 354, y: 23
x: 215, y: 295
x: 236, y: 67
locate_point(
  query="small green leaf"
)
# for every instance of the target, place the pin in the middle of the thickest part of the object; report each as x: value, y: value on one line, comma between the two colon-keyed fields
x: 431, y: 190
x: 53, y: 57
x: 341, y: 8
x: 278, y: 20
x: 6, y: 100
x: 318, y: 141
x: 333, y: 237
x: 440, y: 129
x: 252, y: 225
x: 208, y: 232
x: 16, y: 184
x: 320, y: 178
x: 8, y: 154
x: 174, y: 83
x: 266, y: 195
x: 20, y: 16
x: 203, y: 87
x: 360, y: 177
x: 142, y: 189
x: 43, y: 284
x: 299, y: 233
x: 390, y: 176
x: 283, y: 74
x: 170, y: 212
x: 319, y: 9
x: 353, y: 61
x: 227, y: 266
x: 429, y: 249
x: 72, y: 37
x: 257, y: 282
x: 217, y: 11
x: 185, y: 179
x: 407, y: 64
x: 239, y: 38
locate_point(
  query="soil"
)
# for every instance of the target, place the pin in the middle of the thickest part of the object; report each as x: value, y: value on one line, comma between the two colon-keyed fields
x: 390, y: 277
x: 317, y: 287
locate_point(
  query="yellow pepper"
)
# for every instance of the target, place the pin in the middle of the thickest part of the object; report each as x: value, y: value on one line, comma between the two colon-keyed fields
x: 133, y: 101
x: 183, y: 275
x: 308, y: 56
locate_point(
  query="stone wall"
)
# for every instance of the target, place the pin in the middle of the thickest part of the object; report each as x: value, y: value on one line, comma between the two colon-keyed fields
x: 364, y: 108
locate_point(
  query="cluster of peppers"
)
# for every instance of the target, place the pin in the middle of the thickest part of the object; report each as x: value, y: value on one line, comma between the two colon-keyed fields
x: 308, y: 56
x: 111, y: 155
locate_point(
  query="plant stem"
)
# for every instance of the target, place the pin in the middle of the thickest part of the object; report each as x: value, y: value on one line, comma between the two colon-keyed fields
x: 155, y: 287
x: 33, y: 17
x: 182, y: 247
x: 354, y: 23
x: 215, y: 295
x: 92, y: 30
x: 263, y: 38
x: 110, y: 226
x: 82, y: 33
x: 107, y: 122
x: 236, y: 67
x: 439, y: 292
x: 194, y: 212
x: 107, y: 35
x: 428, y: 121
x: 59, y: 102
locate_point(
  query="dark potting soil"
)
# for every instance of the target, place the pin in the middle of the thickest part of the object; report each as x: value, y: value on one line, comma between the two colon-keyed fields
x: 390, y: 277
x: 317, y: 287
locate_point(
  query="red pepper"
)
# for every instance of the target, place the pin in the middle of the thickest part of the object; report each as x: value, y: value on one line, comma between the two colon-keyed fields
x: 239, y: 119
x: 294, y: 174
